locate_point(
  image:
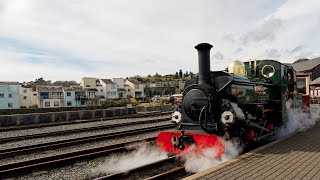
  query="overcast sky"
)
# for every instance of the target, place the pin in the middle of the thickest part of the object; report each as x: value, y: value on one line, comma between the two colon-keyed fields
x: 68, y: 40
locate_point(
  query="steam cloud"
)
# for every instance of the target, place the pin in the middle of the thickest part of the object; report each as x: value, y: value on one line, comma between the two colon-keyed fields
x: 142, y: 155
x: 298, y: 120
x: 198, y: 162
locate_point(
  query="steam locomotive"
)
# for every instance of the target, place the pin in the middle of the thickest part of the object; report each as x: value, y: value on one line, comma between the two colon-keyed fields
x: 248, y: 102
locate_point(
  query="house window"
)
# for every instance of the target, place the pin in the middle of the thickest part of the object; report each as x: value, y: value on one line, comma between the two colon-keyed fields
x: 68, y: 93
x: 34, y: 94
x: 47, y: 104
x: 10, y: 95
x: 56, y: 103
x: 101, y: 90
x: 24, y: 91
x: 108, y: 93
x: 10, y: 105
x: 83, y: 103
x: 128, y: 90
x: 301, y: 85
x: 25, y: 97
x: 69, y: 103
x: 87, y: 85
x: 1, y: 95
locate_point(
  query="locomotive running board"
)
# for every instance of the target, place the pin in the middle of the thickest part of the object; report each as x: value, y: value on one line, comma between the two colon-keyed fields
x: 199, y: 143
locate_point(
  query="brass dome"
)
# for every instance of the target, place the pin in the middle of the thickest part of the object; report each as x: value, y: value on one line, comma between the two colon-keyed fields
x: 237, y: 67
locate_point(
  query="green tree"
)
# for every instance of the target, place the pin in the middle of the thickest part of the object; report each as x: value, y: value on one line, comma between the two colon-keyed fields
x: 180, y: 73
x: 177, y: 75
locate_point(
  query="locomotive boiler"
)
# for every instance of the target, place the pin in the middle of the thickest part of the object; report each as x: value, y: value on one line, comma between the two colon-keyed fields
x: 248, y: 102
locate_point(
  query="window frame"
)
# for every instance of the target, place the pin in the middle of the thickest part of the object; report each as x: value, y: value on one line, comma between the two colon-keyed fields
x: 55, y: 105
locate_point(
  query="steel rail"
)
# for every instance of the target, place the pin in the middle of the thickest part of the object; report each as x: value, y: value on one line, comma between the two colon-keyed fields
x: 26, y: 167
x: 86, y: 129
x: 126, y: 175
x: 171, y: 174
x: 4, y: 153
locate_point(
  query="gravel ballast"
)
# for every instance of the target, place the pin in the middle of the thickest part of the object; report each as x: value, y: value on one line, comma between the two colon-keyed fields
x: 88, y: 169
x: 78, y: 135
x: 24, y: 132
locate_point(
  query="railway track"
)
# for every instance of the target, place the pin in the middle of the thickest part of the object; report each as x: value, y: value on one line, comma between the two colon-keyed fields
x: 5, y: 153
x: 64, y: 132
x: 170, y: 173
x: 27, y: 167
x: 3, y: 129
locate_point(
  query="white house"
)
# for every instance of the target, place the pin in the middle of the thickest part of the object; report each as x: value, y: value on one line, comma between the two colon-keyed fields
x: 109, y: 89
x: 121, y: 82
x: 25, y: 97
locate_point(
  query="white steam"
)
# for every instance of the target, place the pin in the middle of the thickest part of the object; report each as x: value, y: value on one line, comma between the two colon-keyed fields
x: 298, y: 120
x: 198, y: 162
x: 142, y: 155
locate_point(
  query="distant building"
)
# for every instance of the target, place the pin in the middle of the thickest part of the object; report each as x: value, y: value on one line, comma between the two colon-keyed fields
x: 307, y: 71
x: 89, y: 85
x: 25, y: 97
x: 88, y: 82
x: 50, y: 96
x: 72, y: 97
x: 109, y: 89
x: 9, y: 95
x: 121, y: 82
x: 135, y: 89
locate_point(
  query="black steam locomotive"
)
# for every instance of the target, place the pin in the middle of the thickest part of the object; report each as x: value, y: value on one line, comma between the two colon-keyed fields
x: 248, y: 102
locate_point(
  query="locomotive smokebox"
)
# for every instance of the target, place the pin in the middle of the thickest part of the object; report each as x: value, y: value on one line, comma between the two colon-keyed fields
x: 204, y: 62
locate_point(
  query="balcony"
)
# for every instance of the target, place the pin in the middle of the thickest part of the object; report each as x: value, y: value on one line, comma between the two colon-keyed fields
x: 51, y: 97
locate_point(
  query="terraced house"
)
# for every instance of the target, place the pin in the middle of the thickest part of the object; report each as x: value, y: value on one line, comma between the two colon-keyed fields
x: 9, y: 95
x: 49, y: 96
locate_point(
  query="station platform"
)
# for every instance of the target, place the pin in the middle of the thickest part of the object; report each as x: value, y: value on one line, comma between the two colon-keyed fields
x: 296, y: 156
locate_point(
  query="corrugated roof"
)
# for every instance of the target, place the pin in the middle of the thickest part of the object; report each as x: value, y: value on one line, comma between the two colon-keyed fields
x: 9, y: 83
x: 40, y: 88
x: 306, y: 65
x: 107, y: 81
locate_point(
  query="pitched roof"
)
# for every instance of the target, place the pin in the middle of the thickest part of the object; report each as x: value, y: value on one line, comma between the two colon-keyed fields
x: 9, y: 83
x: 133, y: 81
x: 40, y: 88
x: 306, y: 65
x: 77, y: 89
x: 107, y: 81
x: 316, y: 81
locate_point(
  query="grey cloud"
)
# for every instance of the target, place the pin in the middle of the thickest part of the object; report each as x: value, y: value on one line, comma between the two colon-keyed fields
x: 272, y: 53
x: 229, y: 37
x: 239, y: 49
x: 218, y: 55
x: 265, y: 32
x: 149, y: 60
x: 305, y: 54
x: 296, y: 49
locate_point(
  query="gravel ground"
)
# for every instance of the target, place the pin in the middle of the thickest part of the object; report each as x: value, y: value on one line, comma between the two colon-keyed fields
x: 79, y: 147
x: 95, y: 167
x: 73, y: 126
x: 78, y: 135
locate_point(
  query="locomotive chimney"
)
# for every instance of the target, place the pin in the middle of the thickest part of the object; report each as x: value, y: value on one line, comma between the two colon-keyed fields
x: 204, y: 62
